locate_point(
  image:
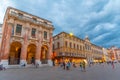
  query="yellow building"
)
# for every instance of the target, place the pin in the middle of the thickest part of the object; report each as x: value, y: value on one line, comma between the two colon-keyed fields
x: 68, y: 47
x: 26, y: 39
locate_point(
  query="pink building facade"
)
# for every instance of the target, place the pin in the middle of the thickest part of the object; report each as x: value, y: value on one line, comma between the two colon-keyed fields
x: 26, y: 39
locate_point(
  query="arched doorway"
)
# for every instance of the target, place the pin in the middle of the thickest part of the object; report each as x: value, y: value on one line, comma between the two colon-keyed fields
x: 15, y: 52
x: 31, y: 50
x: 44, y: 54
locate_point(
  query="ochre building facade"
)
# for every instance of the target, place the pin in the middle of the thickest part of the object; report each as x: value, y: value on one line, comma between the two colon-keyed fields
x: 68, y: 47
x: 26, y: 39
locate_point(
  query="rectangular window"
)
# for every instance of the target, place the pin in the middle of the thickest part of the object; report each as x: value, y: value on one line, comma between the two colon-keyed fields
x: 20, y: 15
x: 70, y: 45
x: 12, y: 30
x: 18, y: 29
x: 65, y: 43
x: 45, y: 35
x: 58, y: 45
x: 74, y: 46
x: 33, y: 33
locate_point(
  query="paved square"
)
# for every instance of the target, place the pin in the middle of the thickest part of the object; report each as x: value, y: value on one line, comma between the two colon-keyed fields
x: 96, y: 72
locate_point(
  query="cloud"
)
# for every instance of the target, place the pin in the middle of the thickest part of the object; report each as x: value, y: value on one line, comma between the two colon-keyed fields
x: 3, y: 6
x: 99, y: 19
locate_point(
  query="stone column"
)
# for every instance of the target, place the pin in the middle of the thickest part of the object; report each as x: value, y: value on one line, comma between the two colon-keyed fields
x: 50, y: 51
x: 38, y: 49
x: 6, y: 49
x: 24, y: 47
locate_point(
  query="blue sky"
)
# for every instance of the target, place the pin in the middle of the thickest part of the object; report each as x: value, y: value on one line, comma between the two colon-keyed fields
x: 99, y: 19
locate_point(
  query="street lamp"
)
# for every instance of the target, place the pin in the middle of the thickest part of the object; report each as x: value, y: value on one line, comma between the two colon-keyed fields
x: 71, y: 34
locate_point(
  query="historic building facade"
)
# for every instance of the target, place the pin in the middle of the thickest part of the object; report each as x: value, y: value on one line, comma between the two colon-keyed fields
x: 106, y: 55
x: 26, y: 39
x: 0, y: 34
x: 114, y: 53
x: 71, y: 48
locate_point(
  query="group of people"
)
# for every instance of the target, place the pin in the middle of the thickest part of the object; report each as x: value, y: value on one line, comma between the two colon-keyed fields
x: 83, y: 66
x: 2, y: 67
x: 67, y: 65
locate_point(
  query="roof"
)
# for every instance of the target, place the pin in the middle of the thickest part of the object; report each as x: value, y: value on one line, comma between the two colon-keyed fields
x: 29, y: 14
x: 77, y: 38
x: 67, y: 34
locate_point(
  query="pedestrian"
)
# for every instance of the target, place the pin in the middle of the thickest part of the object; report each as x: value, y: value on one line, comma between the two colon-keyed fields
x: 81, y: 66
x: 2, y: 67
x: 74, y: 65
x: 68, y: 66
x: 84, y: 66
x: 112, y: 63
x: 36, y: 65
x: 23, y: 65
x: 64, y: 65
x: 33, y: 61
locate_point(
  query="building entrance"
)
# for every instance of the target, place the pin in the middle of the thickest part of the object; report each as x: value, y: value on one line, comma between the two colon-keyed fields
x: 31, y: 50
x: 15, y: 52
x: 44, y: 55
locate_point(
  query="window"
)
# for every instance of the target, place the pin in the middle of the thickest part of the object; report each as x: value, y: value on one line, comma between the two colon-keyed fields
x: 33, y: 33
x: 34, y: 19
x: 74, y: 45
x: 70, y: 45
x: 12, y: 30
x: 18, y: 29
x: 45, y: 22
x: 20, y: 15
x: 65, y: 43
x: 78, y: 47
x: 45, y: 35
x: 58, y: 45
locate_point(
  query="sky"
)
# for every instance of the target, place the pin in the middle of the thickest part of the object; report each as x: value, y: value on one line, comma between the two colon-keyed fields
x: 97, y: 19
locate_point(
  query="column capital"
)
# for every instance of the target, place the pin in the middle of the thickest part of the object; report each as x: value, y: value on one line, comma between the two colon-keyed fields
x: 10, y: 23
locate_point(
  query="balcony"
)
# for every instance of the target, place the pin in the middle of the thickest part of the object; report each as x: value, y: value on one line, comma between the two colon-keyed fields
x: 26, y: 18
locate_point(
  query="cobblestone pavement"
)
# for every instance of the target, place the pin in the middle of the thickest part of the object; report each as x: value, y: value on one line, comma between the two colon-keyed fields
x: 96, y: 72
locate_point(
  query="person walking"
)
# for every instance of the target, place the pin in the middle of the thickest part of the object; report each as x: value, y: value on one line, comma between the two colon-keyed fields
x: 68, y: 66
x: 64, y: 65
x: 112, y: 63
x: 74, y: 65
x: 33, y: 61
x: 84, y: 66
x: 81, y: 66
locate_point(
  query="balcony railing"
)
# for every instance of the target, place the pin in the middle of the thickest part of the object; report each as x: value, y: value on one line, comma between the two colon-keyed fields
x: 26, y: 18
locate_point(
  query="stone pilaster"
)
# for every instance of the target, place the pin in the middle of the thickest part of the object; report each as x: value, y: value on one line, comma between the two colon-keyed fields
x: 50, y: 51
x: 24, y: 47
x: 6, y: 49
x: 38, y: 49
